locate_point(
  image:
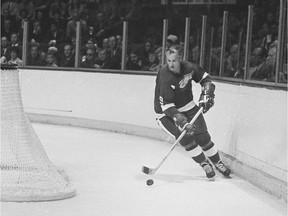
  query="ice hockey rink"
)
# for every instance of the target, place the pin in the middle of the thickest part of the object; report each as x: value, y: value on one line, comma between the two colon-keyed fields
x: 105, y: 168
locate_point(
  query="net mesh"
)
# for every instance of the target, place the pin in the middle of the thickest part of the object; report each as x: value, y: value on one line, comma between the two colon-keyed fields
x: 27, y: 174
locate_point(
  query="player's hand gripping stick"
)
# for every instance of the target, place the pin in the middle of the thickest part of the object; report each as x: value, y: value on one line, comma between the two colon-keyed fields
x: 151, y: 171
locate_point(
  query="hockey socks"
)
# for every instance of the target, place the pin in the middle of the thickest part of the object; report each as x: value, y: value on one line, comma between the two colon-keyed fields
x: 199, y: 157
x: 214, y: 156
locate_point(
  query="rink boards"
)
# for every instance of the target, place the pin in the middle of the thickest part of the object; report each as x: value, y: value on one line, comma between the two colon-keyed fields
x: 248, y: 124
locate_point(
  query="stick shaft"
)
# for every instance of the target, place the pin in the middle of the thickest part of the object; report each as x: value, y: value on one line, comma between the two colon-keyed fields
x: 178, y: 140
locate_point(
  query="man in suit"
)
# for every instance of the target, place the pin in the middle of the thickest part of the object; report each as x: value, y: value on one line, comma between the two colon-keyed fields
x: 5, y: 49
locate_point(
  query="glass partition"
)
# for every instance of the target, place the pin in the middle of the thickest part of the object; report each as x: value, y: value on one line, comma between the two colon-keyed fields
x: 263, y: 46
x: 282, y: 45
x: 101, y: 42
x: 234, y: 55
x: 145, y: 34
x: 48, y: 44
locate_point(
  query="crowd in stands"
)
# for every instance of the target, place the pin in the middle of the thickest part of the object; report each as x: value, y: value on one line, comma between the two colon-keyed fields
x: 263, y: 46
x: 53, y: 26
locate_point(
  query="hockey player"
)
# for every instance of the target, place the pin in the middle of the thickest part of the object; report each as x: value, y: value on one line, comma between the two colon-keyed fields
x: 174, y: 107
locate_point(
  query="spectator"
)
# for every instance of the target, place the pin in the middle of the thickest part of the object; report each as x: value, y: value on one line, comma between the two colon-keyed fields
x: 50, y: 60
x: 58, y: 20
x: 105, y: 43
x: 158, y: 53
x: 133, y: 63
x: 145, y: 50
x: 55, y: 36
x: 101, y: 27
x: 273, y: 44
x: 16, y: 43
x: 72, y: 5
x: 233, y: 27
x: 34, y: 58
x: 3, y: 60
x: 154, y: 35
x: 68, y: 59
x: 172, y: 40
x: 134, y: 17
x: 11, y: 6
x: 192, y: 43
x: 39, y: 16
x: 5, y: 49
x: 28, y: 6
x: 92, y: 6
x: 107, y: 7
x: 6, y: 16
x: 267, y: 71
x: 266, y: 36
x: 270, y: 18
x: 116, y: 18
x: 59, y: 6
x: 215, y: 61
x: 115, y: 53
x: 231, y: 39
x: 19, y: 23
x: 37, y: 34
x: 73, y: 44
x: 89, y: 45
x: 103, y: 60
x: 7, y: 28
x: 14, y: 57
x: 195, y: 55
x: 82, y: 7
x: 54, y: 51
x: 90, y: 59
x: 84, y: 15
x: 15, y: 40
x: 72, y: 25
x: 231, y: 62
x: 257, y: 61
x: 153, y: 63
x: 119, y: 41
x: 91, y: 33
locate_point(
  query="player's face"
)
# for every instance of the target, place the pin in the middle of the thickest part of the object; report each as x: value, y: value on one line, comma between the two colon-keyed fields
x: 173, y: 62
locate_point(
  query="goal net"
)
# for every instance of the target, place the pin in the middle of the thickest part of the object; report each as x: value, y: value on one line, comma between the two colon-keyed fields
x: 27, y: 174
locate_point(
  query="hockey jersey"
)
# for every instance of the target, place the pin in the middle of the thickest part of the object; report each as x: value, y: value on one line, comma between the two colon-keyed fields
x: 175, y: 90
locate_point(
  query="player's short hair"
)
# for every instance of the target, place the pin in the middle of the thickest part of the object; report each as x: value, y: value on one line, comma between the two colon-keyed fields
x: 175, y: 49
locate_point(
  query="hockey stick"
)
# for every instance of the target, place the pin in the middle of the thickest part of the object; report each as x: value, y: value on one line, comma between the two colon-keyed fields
x: 151, y: 171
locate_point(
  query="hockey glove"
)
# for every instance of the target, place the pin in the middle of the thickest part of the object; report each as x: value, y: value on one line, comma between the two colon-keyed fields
x: 183, y: 124
x: 207, y: 96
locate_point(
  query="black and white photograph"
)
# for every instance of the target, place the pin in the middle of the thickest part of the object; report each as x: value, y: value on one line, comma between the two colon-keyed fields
x: 144, y: 108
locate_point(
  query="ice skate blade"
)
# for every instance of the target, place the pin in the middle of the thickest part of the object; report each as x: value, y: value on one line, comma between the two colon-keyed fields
x: 211, y: 179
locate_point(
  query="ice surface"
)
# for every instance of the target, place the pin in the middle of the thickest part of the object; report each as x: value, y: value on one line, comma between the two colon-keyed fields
x: 106, y: 167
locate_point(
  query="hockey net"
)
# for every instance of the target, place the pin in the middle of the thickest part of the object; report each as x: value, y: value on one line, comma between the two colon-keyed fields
x: 27, y: 174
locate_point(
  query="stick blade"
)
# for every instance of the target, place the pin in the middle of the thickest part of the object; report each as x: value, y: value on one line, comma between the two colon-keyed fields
x: 147, y: 170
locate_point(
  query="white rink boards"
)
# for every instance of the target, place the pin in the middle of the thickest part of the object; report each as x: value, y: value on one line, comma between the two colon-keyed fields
x: 105, y: 168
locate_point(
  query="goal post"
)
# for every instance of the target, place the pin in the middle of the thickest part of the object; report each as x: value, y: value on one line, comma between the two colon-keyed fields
x: 27, y: 174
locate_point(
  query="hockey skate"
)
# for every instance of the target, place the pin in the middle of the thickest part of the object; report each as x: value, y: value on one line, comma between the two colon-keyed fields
x: 223, y: 169
x: 208, y: 168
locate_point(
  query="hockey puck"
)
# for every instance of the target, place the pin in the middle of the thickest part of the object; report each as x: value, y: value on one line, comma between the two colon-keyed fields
x: 150, y: 182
